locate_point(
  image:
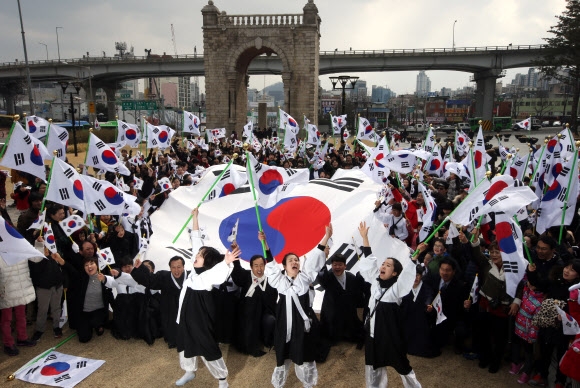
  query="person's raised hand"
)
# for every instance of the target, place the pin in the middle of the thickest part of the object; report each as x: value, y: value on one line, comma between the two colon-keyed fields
x: 363, y: 229
x: 232, y: 256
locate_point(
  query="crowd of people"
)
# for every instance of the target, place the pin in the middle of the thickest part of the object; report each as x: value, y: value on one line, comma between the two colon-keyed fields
x: 385, y: 308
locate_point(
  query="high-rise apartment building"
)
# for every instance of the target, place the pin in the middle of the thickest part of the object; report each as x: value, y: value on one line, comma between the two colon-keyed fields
x: 423, y: 84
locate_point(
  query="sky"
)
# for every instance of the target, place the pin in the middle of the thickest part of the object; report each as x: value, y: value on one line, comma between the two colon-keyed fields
x: 94, y: 26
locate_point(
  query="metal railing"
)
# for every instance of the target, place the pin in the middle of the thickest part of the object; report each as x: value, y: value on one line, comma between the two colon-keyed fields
x: 186, y: 57
x: 260, y: 20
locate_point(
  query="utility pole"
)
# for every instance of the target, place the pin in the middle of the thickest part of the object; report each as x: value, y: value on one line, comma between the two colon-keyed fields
x: 30, y: 101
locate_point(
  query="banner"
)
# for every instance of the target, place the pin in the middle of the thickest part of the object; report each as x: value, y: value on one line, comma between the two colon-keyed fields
x: 59, y: 370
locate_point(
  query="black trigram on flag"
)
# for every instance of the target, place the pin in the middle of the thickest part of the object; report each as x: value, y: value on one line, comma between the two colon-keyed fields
x: 62, y: 378
x: 343, y: 184
x: 19, y: 159
x: 290, y: 171
x: 510, y: 266
x: 155, y: 130
x: 32, y: 370
x: 27, y: 140
x: 153, y: 141
x: 258, y: 167
x: 226, y: 175
x: 472, y: 213
x: 371, y: 166
x: 562, y: 195
x: 100, y: 144
x: 381, y: 147
x: 95, y: 160
x: 62, y: 136
x: 42, y: 128
x: 63, y: 194
x: 59, y: 152
x: 405, y: 164
x: 81, y: 364
x: 97, y: 186
x: 68, y: 173
x: 50, y: 358
x: 190, y: 116
x: 124, y: 126
x: 100, y: 205
x: 190, y: 126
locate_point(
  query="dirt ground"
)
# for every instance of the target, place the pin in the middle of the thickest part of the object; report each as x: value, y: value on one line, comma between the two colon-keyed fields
x: 135, y: 364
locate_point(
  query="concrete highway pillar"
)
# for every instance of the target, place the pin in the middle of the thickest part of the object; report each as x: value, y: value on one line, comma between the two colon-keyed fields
x: 111, y: 107
x: 485, y: 95
x: 10, y: 90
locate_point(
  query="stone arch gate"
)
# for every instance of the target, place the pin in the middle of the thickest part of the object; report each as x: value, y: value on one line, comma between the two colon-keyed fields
x: 230, y: 44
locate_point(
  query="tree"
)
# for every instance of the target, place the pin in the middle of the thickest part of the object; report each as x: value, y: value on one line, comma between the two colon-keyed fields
x: 561, y: 61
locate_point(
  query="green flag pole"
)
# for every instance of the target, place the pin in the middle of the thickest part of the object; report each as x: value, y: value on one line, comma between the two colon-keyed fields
x: 13, y: 375
x: 538, y: 164
x: 16, y: 117
x: 528, y: 255
x: 249, y: 170
x: 234, y: 157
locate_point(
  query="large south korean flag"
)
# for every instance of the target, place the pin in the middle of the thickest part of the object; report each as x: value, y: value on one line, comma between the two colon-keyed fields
x: 296, y: 223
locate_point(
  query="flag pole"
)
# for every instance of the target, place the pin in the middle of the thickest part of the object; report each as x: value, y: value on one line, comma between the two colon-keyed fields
x: 249, y: 170
x: 538, y: 164
x: 88, y: 146
x: 448, y: 218
x: 573, y: 173
x: 525, y: 245
x: 48, y: 133
x: 13, y: 375
x: 234, y: 157
x: 16, y: 118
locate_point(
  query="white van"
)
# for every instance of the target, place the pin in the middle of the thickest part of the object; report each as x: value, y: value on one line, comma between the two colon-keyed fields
x: 463, y: 127
x: 420, y: 127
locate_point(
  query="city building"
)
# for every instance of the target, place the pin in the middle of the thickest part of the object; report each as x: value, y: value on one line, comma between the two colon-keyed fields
x: 381, y: 94
x: 423, y: 84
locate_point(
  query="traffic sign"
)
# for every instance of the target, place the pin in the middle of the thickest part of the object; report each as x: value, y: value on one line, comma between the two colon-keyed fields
x: 128, y: 105
x: 410, y: 109
x: 139, y: 105
x: 125, y: 95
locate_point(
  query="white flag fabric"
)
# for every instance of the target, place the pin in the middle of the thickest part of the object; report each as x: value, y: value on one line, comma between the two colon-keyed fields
x: 270, y: 181
x: 170, y: 133
x: 248, y: 132
x: 39, y: 221
x: 517, y: 167
x: 287, y: 122
x: 365, y: 129
x: 101, y: 156
x: 138, y: 183
x: 375, y: 167
x: 230, y: 181
x: 474, y: 293
x: 430, y: 213
x: 37, y: 126
x: 569, y: 324
x: 525, y: 124
x: 295, y: 224
x: 43, y: 150
x: 65, y: 186
x: 97, y: 125
x: 106, y: 258
x: 461, y: 142
x: 49, y: 239
x: 438, y: 307
x: 59, y: 370
x: 232, y: 237
x: 63, y: 314
x: 132, y: 133
x: 429, y: 143
x: 164, y: 184
x: 156, y: 136
x: 434, y: 166
x: 560, y: 196
x: 22, y: 153
x: 510, y: 241
x: 103, y: 197
x: 71, y: 224
x: 313, y: 135
x: 338, y: 122
x: 402, y: 161
x: 13, y: 247
x: 191, y: 123
x: 213, y: 135
x: 57, y: 141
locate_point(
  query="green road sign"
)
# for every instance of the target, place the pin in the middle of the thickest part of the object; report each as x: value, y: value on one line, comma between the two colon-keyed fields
x: 139, y: 105
x: 410, y: 109
x: 125, y: 95
x: 128, y: 105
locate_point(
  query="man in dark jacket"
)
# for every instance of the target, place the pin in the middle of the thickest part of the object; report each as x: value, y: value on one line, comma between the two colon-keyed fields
x: 27, y: 218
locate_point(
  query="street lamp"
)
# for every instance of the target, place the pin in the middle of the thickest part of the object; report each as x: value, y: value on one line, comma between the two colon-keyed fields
x: 46, y: 47
x: 343, y: 80
x: 90, y: 99
x: 77, y: 85
x: 57, y: 45
x: 454, y: 34
x: 200, y: 105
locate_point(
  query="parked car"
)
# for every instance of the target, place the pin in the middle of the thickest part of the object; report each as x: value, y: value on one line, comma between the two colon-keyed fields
x: 463, y: 127
x: 545, y: 123
x: 556, y: 124
x: 447, y: 128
